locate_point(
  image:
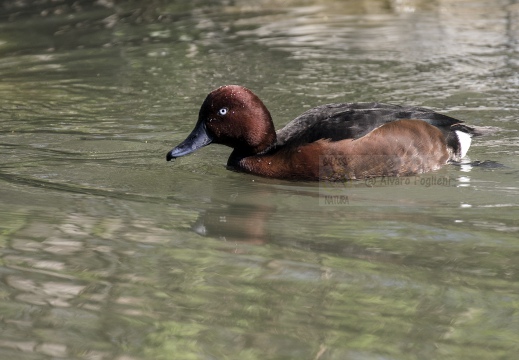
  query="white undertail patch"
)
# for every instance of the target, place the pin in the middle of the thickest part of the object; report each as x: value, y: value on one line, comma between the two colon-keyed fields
x: 465, y: 140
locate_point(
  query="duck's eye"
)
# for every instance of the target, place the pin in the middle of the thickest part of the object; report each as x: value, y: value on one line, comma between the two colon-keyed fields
x: 223, y: 111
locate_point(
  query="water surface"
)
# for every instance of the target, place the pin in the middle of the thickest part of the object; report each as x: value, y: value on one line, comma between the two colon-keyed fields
x: 109, y: 252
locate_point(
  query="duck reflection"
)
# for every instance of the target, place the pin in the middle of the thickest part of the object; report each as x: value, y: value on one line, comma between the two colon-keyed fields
x: 257, y: 225
x: 262, y: 218
x: 237, y: 223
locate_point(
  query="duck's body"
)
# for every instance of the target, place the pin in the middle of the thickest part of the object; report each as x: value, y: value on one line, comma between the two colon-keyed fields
x: 331, y: 142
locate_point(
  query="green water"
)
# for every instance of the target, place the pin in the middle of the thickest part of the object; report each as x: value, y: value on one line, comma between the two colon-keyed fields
x: 109, y: 252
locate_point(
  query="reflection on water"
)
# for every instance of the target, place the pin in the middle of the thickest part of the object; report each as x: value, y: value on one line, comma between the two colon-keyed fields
x: 109, y: 252
x: 153, y: 287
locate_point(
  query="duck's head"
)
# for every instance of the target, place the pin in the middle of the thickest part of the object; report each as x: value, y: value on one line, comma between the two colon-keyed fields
x: 230, y: 115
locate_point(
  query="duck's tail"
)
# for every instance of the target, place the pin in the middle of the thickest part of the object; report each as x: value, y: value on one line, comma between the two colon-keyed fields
x: 460, y: 138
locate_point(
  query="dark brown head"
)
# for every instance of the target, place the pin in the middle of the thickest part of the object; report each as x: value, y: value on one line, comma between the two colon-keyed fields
x: 230, y: 115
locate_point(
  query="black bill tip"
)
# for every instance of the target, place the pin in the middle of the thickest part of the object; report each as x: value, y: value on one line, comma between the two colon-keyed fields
x: 197, y: 139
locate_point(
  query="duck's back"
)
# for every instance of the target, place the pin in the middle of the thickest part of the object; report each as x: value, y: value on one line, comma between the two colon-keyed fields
x: 354, y: 120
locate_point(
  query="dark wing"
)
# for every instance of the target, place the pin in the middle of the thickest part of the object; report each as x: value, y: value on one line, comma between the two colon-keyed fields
x: 353, y: 120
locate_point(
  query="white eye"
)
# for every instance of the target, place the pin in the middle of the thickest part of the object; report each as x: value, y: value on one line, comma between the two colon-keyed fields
x: 223, y: 111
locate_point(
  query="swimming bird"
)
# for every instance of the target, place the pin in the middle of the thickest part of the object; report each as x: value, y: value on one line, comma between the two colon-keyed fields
x: 329, y: 142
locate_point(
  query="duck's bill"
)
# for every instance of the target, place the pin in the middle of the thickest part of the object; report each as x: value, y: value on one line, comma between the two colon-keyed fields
x: 196, y: 140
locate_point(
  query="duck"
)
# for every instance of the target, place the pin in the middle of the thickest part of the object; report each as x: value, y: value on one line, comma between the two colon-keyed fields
x: 333, y: 142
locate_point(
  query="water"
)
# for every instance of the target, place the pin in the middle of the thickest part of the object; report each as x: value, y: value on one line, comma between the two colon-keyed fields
x: 109, y: 252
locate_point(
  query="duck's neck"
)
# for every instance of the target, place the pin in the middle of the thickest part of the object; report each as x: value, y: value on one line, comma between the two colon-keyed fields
x: 239, y: 153
x: 268, y: 141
